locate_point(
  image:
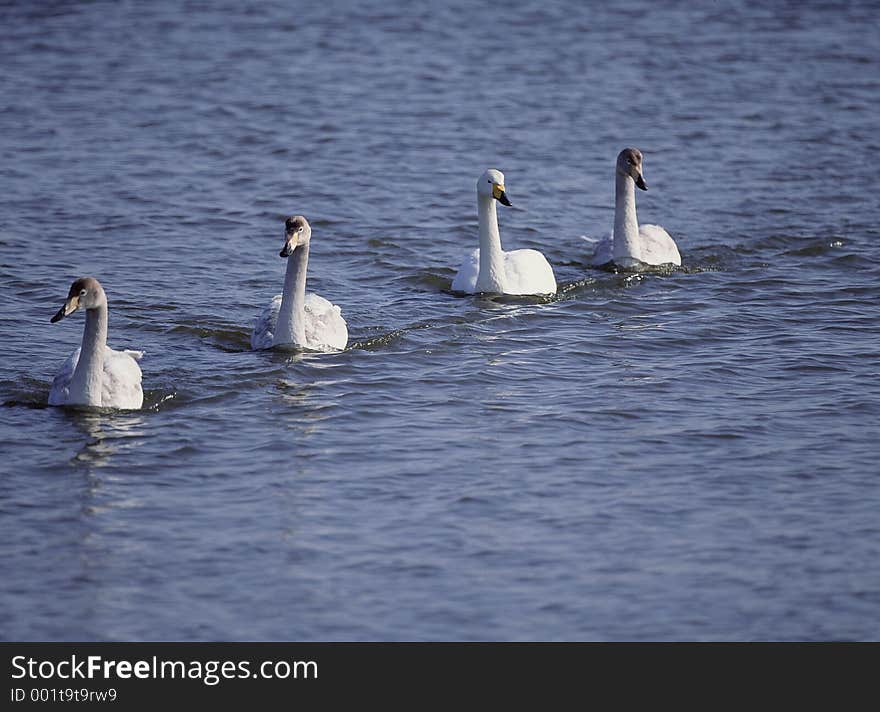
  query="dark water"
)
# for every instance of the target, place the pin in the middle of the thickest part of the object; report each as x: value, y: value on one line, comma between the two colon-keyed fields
x: 691, y: 455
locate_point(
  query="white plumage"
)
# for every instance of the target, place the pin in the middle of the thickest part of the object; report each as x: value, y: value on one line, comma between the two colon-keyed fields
x: 325, y: 328
x: 525, y: 272
x: 294, y: 317
x: 120, y: 382
x: 658, y: 248
x: 632, y: 245
x: 95, y: 374
x: 489, y: 269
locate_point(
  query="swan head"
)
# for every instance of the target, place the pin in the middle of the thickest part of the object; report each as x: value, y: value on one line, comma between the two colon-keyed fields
x: 629, y: 163
x: 85, y: 293
x: 297, y: 231
x: 491, y: 184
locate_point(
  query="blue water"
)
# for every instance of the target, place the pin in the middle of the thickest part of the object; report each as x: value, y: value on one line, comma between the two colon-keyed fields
x: 689, y: 455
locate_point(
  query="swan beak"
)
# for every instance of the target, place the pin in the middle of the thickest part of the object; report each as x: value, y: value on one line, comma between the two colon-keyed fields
x: 289, y: 246
x: 70, y: 306
x: 499, y: 194
x: 641, y: 182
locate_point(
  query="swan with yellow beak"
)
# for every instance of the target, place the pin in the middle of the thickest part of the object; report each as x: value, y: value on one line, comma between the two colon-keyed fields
x: 489, y: 269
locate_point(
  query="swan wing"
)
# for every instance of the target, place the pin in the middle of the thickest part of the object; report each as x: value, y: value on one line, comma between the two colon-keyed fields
x: 658, y: 247
x: 466, y: 279
x: 325, y: 327
x: 60, y: 391
x: 603, y: 252
x: 121, y: 387
x: 264, y: 328
x: 528, y: 272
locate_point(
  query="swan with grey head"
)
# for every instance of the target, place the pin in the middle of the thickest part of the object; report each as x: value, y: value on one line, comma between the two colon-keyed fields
x: 95, y: 374
x: 631, y: 246
x: 296, y: 318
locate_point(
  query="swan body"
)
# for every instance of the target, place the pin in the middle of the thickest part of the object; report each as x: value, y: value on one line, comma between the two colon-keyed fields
x: 324, y: 326
x: 491, y: 269
x: 657, y: 246
x: 296, y: 318
x: 95, y: 374
x: 632, y: 245
x: 120, y: 381
x: 525, y: 272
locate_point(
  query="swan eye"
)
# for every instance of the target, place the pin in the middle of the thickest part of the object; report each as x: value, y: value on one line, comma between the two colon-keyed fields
x: 82, y: 292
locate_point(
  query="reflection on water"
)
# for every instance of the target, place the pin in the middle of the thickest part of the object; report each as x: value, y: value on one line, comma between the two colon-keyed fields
x: 304, y: 406
x: 105, y: 435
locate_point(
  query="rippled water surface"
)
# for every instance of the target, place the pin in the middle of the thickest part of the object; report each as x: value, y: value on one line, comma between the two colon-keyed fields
x: 684, y: 455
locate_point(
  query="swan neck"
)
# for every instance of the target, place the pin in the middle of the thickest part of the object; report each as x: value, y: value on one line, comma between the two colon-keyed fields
x: 85, y: 386
x: 627, y: 245
x: 291, y: 327
x: 491, y: 276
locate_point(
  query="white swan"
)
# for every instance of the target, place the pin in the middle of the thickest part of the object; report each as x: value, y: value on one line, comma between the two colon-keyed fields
x: 95, y: 374
x: 295, y: 318
x: 491, y: 269
x: 631, y: 244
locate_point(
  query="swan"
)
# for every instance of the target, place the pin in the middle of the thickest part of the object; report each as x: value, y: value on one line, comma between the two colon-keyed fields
x: 631, y: 244
x: 95, y: 374
x: 295, y: 318
x: 491, y: 269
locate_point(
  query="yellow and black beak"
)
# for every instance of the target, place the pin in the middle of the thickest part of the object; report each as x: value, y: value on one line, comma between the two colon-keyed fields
x: 499, y: 194
x: 70, y: 306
